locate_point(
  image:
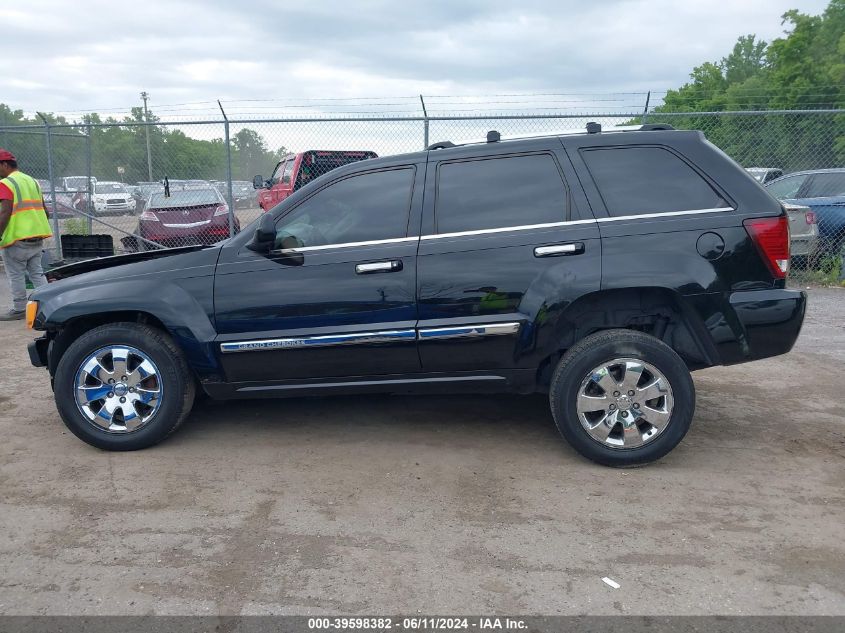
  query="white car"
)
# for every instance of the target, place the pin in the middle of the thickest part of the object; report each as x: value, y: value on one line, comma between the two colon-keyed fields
x: 112, y: 197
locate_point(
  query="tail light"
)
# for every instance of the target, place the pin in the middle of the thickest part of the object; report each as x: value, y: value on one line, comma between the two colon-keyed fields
x: 221, y: 209
x: 149, y: 215
x: 810, y: 217
x: 771, y: 237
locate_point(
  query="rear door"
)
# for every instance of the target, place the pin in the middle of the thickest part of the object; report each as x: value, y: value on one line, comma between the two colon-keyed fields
x: 336, y: 297
x: 507, y: 244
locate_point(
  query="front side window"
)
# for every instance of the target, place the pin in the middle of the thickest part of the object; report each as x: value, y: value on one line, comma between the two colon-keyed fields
x: 287, y: 172
x: 826, y: 185
x: 639, y: 180
x: 372, y: 206
x: 499, y: 192
x: 276, y: 178
x: 786, y: 188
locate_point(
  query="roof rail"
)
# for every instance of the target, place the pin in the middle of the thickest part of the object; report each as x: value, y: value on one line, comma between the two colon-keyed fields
x: 592, y: 128
x: 647, y: 127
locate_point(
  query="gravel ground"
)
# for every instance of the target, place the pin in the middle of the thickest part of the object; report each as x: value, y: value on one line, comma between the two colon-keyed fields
x: 399, y: 505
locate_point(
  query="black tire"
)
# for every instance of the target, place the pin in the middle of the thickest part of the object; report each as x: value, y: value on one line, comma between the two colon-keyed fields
x: 177, y: 383
x: 603, y: 347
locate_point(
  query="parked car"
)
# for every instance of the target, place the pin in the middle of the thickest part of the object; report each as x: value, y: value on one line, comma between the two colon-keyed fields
x: 600, y: 268
x: 823, y: 191
x: 296, y: 170
x: 244, y: 194
x: 187, y: 216
x: 143, y: 191
x: 803, y: 233
x: 77, y: 183
x: 764, y: 174
x: 61, y: 208
x: 112, y: 198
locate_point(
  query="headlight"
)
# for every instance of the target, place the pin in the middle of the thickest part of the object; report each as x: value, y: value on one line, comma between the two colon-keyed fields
x: 31, y: 311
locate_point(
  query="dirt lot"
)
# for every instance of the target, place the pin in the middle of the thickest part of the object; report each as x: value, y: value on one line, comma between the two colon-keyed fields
x: 434, y: 505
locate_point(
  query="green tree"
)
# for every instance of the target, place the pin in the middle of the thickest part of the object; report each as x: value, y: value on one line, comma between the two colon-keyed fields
x: 805, y: 69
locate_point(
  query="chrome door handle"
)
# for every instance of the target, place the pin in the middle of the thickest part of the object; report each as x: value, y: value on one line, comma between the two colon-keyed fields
x: 379, y: 267
x: 556, y: 250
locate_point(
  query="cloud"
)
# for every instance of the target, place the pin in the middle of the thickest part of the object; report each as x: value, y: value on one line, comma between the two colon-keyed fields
x: 96, y: 55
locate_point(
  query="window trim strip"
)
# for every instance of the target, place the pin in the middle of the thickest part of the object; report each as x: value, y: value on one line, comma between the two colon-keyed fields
x: 305, y: 249
x: 503, y: 229
x: 661, y: 214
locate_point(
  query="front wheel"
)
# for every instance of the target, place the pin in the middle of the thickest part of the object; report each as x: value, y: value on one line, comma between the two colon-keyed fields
x: 622, y: 398
x: 123, y: 386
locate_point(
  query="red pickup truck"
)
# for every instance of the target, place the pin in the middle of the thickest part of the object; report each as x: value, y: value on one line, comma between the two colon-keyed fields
x: 296, y: 170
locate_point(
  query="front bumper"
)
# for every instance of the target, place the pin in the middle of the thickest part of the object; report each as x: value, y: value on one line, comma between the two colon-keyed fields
x: 39, y: 351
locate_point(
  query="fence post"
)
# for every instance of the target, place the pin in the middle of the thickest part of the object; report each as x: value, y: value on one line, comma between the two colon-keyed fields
x: 228, y: 172
x: 56, y: 232
x: 90, y: 202
x: 645, y: 110
x: 425, y: 123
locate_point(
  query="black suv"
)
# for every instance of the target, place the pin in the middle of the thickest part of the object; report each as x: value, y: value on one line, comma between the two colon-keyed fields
x: 599, y: 267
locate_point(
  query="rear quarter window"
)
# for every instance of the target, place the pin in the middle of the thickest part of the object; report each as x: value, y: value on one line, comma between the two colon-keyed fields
x: 640, y: 180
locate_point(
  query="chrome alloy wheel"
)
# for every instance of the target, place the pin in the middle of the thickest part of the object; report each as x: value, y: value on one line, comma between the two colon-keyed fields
x: 118, y: 389
x: 625, y: 403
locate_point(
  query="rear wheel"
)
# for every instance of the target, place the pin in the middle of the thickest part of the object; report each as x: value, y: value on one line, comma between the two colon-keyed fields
x: 622, y: 398
x: 123, y: 386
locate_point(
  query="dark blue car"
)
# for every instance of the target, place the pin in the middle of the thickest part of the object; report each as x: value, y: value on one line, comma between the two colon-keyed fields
x: 823, y: 190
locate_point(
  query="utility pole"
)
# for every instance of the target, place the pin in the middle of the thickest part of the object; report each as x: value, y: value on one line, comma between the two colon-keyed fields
x: 146, y: 96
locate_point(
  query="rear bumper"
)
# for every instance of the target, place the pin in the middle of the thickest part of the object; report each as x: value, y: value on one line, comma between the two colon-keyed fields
x: 760, y: 324
x: 38, y: 351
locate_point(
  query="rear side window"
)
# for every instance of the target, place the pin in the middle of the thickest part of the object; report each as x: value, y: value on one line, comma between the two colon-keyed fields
x: 826, y: 185
x: 499, y: 192
x: 638, y: 180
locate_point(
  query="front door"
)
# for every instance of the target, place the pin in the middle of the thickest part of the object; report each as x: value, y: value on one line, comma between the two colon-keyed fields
x: 335, y: 298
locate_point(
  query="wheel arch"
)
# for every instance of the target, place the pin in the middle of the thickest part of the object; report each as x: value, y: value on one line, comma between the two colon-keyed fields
x: 658, y: 311
x: 76, y: 326
x: 166, y: 306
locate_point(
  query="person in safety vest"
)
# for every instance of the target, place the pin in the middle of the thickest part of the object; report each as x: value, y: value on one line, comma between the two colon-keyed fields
x: 23, y: 228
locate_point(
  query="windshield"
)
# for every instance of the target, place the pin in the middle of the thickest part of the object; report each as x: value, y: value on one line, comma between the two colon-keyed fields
x: 110, y: 187
x: 191, y: 198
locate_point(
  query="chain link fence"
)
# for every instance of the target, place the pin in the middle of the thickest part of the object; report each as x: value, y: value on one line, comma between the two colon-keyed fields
x: 116, y: 188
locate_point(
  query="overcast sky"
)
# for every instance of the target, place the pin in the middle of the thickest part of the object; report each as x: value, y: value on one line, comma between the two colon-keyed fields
x: 98, y: 55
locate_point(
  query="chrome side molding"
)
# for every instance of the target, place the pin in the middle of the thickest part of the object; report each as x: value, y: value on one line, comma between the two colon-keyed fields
x: 467, y: 331
x: 380, y: 336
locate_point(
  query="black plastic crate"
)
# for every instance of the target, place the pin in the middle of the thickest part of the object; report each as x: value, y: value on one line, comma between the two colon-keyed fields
x: 87, y: 246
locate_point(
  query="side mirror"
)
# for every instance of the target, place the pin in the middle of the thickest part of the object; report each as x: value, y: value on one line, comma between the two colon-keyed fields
x: 258, y: 182
x: 265, y: 235
x: 292, y: 257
